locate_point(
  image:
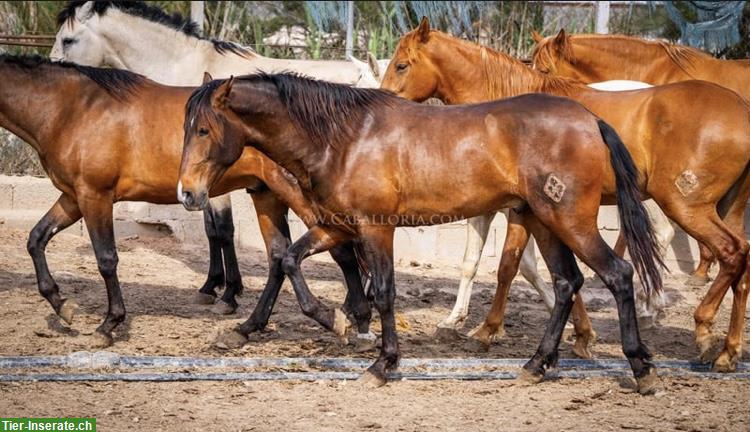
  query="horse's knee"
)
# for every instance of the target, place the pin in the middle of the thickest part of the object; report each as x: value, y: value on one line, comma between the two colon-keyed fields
x: 289, y: 264
x: 107, y: 263
x: 35, y: 244
x: 619, y: 279
x: 224, y: 231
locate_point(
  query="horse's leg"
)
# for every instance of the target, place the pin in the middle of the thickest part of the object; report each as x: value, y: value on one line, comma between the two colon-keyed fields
x: 356, y: 304
x: 377, y: 244
x: 730, y: 355
x: 492, y: 328
x: 566, y: 280
x: 704, y: 224
x: 97, y: 212
x: 530, y: 272
x: 700, y: 277
x: 476, y: 231
x: 63, y: 213
x: 207, y: 293
x: 274, y: 228
x: 224, y: 225
x: 586, y: 242
x: 516, y: 238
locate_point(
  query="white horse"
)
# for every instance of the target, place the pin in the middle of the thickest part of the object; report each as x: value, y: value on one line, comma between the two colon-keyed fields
x: 168, y: 49
x: 371, y: 71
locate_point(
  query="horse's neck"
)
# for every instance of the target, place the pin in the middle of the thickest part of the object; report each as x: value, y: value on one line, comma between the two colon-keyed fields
x: 646, y: 61
x: 30, y: 102
x: 163, y: 54
x: 478, y: 74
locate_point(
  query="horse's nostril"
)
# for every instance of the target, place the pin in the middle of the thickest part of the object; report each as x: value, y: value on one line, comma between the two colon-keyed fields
x: 188, y: 197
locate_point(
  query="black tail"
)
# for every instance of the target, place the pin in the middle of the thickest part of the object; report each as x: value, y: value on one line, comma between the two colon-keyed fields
x: 642, y: 245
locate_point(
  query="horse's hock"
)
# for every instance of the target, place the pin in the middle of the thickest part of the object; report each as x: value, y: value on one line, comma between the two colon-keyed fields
x: 25, y: 199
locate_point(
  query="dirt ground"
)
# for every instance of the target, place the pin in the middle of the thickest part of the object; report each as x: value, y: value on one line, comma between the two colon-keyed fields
x: 159, y: 277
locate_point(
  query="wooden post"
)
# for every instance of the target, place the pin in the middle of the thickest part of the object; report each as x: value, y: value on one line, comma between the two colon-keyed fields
x: 602, y: 17
x: 349, y: 28
x: 198, y: 13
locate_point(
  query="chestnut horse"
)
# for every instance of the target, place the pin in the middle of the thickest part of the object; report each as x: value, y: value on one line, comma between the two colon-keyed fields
x: 593, y: 58
x: 371, y: 162
x: 108, y: 135
x: 690, y: 163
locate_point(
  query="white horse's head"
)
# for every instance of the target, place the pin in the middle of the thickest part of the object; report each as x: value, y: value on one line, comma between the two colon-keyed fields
x: 371, y: 72
x: 78, y: 39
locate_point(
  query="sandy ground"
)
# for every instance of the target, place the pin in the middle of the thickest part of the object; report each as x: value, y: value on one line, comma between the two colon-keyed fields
x: 159, y: 277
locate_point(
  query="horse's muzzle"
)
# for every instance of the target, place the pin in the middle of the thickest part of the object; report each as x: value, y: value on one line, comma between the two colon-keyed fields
x: 191, y: 200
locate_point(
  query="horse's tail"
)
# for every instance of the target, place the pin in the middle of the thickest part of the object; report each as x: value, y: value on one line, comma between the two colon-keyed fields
x: 642, y: 245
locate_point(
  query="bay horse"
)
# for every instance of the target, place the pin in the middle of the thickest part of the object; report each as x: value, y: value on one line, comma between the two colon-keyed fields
x: 694, y: 166
x: 102, y: 138
x: 169, y: 49
x: 370, y: 162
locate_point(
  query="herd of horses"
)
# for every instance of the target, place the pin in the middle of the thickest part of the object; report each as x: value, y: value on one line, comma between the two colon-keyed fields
x: 355, y: 163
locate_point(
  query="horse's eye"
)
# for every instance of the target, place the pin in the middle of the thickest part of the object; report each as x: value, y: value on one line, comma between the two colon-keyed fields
x: 202, y: 132
x: 401, y: 67
x: 68, y: 41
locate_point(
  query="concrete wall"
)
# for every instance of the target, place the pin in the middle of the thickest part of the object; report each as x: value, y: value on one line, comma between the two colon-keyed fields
x: 24, y: 200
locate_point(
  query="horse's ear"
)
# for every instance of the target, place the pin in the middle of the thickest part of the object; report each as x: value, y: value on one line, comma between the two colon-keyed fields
x: 562, y: 38
x: 207, y: 78
x: 85, y: 11
x: 536, y: 36
x: 221, y: 96
x: 373, y: 62
x: 424, y: 29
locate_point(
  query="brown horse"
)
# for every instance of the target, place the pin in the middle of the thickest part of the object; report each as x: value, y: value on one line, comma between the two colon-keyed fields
x: 107, y: 135
x: 690, y: 163
x: 371, y: 162
x: 593, y: 58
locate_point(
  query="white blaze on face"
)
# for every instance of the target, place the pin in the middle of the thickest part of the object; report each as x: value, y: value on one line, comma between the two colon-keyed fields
x: 179, y: 192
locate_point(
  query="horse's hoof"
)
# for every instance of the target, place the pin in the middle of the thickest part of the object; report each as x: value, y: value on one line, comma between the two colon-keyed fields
x: 365, y: 342
x: 68, y: 311
x: 447, y: 334
x: 100, y: 340
x: 581, y: 346
x: 340, y: 324
x: 223, y: 308
x: 725, y: 363
x: 526, y: 376
x: 204, y: 299
x: 231, y: 339
x: 704, y: 344
x: 698, y: 280
x: 486, y: 335
x: 581, y: 350
x: 650, y: 383
x: 370, y: 380
x: 452, y: 324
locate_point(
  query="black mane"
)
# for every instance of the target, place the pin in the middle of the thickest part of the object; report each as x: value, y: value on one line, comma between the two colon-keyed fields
x: 153, y: 14
x: 117, y: 82
x: 330, y: 114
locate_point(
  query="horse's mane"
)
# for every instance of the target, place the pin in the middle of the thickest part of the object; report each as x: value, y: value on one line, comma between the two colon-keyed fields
x: 329, y: 114
x: 682, y: 56
x: 505, y: 76
x: 153, y: 14
x: 119, y: 83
